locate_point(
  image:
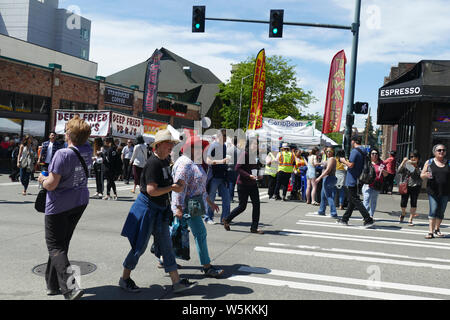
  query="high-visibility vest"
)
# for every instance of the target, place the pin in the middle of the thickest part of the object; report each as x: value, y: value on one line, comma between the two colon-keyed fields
x: 273, y: 168
x: 286, y: 162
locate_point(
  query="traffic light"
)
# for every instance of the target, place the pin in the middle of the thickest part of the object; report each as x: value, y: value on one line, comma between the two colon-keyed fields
x: 361, y: 107
x: 276, y: 24
x: 198, y: 18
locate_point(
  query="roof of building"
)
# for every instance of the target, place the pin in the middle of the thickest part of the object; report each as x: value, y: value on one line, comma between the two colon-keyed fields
x: 177, y: 75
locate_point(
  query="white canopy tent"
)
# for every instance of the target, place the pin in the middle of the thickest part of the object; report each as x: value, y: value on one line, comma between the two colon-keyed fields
x: 302, y: 133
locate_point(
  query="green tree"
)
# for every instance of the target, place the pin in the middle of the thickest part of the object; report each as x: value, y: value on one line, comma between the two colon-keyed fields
x: 369, y: 137
x: 283, y: 97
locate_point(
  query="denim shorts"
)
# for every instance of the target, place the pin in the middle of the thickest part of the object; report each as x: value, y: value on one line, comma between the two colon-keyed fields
x: 437, y: 206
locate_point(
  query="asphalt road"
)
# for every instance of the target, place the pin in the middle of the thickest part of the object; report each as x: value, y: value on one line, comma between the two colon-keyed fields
x: 301, y: 256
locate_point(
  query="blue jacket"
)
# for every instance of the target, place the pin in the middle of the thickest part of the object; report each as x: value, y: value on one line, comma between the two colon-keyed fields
x: 139, y: 224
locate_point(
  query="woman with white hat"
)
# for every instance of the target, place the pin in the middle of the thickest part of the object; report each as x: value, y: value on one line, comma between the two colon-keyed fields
x: 150, y: 214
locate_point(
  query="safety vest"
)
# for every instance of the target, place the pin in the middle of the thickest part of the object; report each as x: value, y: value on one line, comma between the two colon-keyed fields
x: 286, y: 162
x: 273, y: 168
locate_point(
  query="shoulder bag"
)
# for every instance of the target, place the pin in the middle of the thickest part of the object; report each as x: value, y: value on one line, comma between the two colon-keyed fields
x: 41, y: 198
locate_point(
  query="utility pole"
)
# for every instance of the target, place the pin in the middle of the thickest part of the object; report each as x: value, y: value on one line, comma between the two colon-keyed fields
x: 350, y: 118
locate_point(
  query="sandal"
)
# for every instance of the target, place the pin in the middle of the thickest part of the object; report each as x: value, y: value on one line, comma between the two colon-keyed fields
x: 411, y: 224
x: 429, y: 236
x: 438, y: 233
x: 315, y: 204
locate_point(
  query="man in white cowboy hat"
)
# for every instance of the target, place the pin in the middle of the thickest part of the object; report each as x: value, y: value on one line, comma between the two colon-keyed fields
x: 150, y: 214
x: 286, y: 161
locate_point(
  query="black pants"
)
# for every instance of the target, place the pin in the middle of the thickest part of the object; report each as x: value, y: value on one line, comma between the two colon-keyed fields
x: 354, y: 202
x: 413, y: 192
x: 243, y: 193
x: 126, y: 170
x: 388, y: 183
x: 271, y: 183
x: 110, y: 181
x: 282, y: 182
x: 99, y: 179
x: 15, y: 172
x: 59, y: 229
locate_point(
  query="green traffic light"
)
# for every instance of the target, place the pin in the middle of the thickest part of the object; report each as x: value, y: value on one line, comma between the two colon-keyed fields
x: 275, y: 31
x: 197, y: 26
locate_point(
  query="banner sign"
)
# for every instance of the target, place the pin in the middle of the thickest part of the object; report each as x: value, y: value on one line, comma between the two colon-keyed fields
x: 118, y: 97
x: 335, y: 94
x: 291, y: 127
x: 151, y: 82
x: 98, y: 120
x: 258, y: 91
x: 152, y: 126
x: 124, y: 126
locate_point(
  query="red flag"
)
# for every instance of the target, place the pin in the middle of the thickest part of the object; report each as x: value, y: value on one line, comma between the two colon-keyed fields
x: 258, y: 91
x: 335, y: 94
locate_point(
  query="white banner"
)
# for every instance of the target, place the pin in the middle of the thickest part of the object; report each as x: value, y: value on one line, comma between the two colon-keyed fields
x: 98, y: 120
x: 288, y: 130
x: 291, y: 127
x: 127, y: 127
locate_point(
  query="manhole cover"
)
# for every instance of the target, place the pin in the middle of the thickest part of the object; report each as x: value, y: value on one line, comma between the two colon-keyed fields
x: 85, y: 268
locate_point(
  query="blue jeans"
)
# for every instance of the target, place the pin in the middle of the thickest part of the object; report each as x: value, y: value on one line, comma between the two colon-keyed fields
x: 341, y: 194
x: 199, y: 231
x: 25, y: 178
x: 327, y: 195
x: 437, y: 206
x: 220, y: 184
x: 158, y: 225
x: 370, y: 198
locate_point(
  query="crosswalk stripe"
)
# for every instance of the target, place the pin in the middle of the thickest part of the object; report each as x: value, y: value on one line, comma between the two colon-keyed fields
x: 353, y: 257
x: 379, y: 229
x: 326, y: 288
x: 348, y: 281
x: 370, y: 253
x: 349, y: 237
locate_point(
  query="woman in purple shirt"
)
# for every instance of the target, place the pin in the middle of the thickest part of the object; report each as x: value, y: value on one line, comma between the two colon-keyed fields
x: 67, y: 198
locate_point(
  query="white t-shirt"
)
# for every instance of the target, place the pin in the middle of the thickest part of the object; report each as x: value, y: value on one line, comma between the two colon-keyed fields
x: 48, y: 158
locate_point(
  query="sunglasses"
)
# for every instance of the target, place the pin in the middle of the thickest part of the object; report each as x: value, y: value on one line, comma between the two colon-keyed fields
x: 441, y: 150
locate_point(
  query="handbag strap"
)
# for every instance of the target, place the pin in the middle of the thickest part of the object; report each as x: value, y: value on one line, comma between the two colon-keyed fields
x: 83, y: 163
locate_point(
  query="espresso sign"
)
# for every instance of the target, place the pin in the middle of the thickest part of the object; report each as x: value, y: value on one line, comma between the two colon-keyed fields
x: 118, y: 97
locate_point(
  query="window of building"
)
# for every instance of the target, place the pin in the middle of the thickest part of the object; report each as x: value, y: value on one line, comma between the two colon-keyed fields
x: 41, y: 105
x: 23, y: 103
x: 84, y: 34
x: 84, y: 53
x: 6, y: 100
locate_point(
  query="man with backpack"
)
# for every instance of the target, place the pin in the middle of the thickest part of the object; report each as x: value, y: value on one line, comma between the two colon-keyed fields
x: 356, y: 166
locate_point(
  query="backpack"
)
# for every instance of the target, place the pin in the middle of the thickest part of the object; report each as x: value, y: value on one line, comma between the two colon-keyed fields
x: 368, y: 174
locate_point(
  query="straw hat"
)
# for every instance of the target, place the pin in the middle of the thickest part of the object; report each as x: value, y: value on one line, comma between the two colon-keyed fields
x: 162, y: 136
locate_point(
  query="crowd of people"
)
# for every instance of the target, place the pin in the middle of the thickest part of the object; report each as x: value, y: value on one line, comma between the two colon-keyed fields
x: 182, y: 189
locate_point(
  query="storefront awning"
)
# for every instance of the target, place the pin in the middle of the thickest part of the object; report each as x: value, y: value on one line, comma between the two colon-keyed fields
x: 427, y: 81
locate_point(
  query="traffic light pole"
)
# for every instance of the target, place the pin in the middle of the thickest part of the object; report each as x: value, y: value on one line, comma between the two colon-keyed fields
x: 351, y: 88
x: 349, y: 120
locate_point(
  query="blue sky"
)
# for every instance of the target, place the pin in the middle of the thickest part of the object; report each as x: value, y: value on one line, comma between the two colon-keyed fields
x: 125, y: 33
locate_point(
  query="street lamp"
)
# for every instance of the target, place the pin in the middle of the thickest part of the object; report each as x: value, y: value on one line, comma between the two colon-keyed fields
x: 240, y: 99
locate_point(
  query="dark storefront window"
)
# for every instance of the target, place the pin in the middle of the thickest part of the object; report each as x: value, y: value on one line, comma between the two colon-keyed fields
x: 406, y: 134
x: 6, y: 100
x: 73, y: 105
x: 23, y: 103
x: 41, y: 105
